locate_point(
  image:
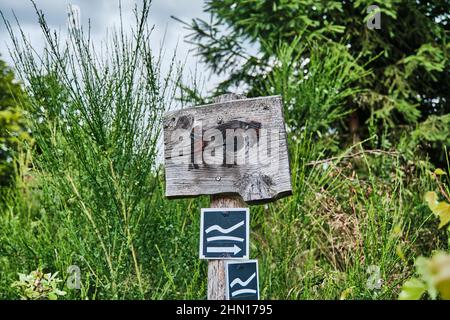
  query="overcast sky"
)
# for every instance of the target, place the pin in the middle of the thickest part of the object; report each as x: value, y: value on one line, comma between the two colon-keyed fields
x: 105, y: 14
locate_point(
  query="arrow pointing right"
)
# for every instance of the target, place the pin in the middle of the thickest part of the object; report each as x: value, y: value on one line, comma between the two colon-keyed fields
x: 234, y: 249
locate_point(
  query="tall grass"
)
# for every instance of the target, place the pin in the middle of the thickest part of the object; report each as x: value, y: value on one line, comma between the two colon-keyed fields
x: 90, y: 191
x: 96, y: 120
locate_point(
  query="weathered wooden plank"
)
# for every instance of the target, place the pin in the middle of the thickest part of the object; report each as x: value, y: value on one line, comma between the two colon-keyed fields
x: 228, y: 147
x: 216, y: 280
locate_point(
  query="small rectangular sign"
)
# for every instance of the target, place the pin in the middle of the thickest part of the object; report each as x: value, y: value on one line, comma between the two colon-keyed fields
x: 224, y: 233
x: 242, y: 280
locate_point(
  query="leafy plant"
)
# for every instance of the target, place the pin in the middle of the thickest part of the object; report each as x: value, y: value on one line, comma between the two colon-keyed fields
x: 440, y: 208
x: 96, y: 119
x: 433, y: 277
x: 13, y: 128
x: 407, y: 91
x: 315, y: 82
x: 38, y: 285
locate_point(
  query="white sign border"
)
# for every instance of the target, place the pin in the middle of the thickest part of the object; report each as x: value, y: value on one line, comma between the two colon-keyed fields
x: 247, y: 232
x: 227, y: 263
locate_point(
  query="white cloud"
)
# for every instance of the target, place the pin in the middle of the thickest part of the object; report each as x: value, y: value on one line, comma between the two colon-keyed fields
x: 104, y: 14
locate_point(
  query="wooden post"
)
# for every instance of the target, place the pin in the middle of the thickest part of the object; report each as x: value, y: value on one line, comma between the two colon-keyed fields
x: 216, y: 268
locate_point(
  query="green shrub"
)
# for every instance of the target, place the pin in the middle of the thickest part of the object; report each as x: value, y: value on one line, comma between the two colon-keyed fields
x: 38, y: 286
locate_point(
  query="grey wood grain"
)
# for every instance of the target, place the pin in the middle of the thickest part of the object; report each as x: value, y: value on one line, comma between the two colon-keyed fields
x: 264, y: 174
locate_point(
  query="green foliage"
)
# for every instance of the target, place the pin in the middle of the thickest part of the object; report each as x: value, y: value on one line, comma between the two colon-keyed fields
x: 38, y: 286
x: 407, y: 91
x: 433, y: 129
x: 412, y: 289
x: 94, y: 194
x: 434, y: 278
x: 317, y: 244
x: 440, y: 208
x: 13, y: 131
x: 434, y: 272
x: 96, y: 121
x: 315, y: 86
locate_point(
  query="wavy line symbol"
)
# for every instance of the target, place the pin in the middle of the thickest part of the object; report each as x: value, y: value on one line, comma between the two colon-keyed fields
x: 222, y: 230
x: 223, y: 238
x: 242, y: 283
x: 238, y: 292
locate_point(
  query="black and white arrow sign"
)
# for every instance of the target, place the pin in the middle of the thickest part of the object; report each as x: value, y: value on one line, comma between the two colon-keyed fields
x: 224, y: 233
x: 242, y: 280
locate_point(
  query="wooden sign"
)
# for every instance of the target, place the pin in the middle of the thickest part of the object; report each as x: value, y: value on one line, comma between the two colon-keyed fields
x: 229, y: 147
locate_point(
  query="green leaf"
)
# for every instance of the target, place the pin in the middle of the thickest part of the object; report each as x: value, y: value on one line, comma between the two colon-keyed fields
x: 60, y: 292
x: 439, y: 269
x: 443, y: 212
x: 413, y: 289
x: 439, y: 172
x: 432, y: 199
x: 52, y: 296
x: 346, y: 293
x: 440, y: 209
